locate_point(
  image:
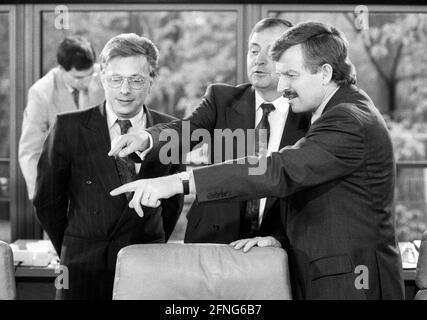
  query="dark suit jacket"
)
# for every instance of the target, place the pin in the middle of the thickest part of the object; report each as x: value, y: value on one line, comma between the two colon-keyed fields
x: 222, y: 107
x: 86, y: 225
x: 339, y: 181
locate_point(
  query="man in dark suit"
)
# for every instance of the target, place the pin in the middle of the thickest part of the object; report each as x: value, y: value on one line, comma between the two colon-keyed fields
x: 337, y: 181
x: 236, y: 108
x: 85, y: 224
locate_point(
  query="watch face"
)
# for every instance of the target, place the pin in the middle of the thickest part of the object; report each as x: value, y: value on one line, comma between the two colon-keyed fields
x: 184, y: 176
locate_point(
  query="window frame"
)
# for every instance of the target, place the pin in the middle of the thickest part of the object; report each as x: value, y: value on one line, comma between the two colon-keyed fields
x: 25, y: 31
x: 12, y: 160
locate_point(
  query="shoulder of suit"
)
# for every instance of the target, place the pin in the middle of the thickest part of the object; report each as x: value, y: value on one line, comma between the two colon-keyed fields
x: 77, y: 115
x: 223, y: 87
x: 46, y: 84
x: 361, y: 114
x: 227, y: 94
x: 161, y: 116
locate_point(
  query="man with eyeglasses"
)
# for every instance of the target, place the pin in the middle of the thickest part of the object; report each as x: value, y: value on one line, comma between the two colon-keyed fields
x: 73, y: 84
x: 86, y: 225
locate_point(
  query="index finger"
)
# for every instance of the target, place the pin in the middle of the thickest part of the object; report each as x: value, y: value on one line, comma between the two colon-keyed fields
x: 128, y: 187
x: 116, y: 146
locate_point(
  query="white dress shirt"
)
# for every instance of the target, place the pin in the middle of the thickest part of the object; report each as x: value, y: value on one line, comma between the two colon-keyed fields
x: 139, y: 122
x: 316, y: 114
x: 277, y: 119
x: 83, y: 97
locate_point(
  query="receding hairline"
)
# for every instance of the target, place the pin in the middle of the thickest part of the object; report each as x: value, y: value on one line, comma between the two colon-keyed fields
x: 281, y: 27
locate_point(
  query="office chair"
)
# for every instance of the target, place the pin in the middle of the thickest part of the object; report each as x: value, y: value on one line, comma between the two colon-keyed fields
x: 421, y: 273
x: 7, y: 277
x: 201, y: 272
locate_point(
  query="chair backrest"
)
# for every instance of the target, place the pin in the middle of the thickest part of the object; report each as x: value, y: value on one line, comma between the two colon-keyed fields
x: 7, y: 277
x: 201, y: 272
x: 421, y: 274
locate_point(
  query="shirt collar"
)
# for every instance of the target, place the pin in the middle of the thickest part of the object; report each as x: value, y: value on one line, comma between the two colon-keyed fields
x: 137, y: 121
x: 69, y: 88
x: 316, y: 114
x: 281, y: 103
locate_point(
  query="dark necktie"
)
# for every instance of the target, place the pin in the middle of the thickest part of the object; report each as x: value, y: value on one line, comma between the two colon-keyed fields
x: 76, y: 95
x: 262, y: 138
x: 125, y: 166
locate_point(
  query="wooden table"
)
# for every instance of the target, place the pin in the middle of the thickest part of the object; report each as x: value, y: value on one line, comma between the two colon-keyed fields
x: 35, y: 283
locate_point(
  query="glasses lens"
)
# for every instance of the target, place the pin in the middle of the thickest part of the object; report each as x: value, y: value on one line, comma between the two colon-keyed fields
x: 114, y: 82
x: 136, y: 82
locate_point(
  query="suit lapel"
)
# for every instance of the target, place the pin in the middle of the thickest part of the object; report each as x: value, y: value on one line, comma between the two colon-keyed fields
x: 147, y: 165
x: 295, y: 125
x: 241, y: 113
x: 98, y: 138
x: 342, y: 94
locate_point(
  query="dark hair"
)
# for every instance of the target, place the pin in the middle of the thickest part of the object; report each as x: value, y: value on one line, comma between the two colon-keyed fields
x: 321, y: 44
x: 128, y: 45
x: 269, y: 23
x: 75, y: 52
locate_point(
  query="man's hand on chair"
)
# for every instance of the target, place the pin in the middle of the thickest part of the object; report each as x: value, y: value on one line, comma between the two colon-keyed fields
x: 247, y: 244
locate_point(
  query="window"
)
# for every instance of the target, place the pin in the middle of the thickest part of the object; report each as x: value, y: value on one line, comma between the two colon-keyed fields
x: 5, y: 227
x: 198, y: 46
x: 204, y: 43
x: 190, y: 43
x: 387, y: 47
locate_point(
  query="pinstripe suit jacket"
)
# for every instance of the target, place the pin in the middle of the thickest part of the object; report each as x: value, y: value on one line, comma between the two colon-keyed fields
x: 85, y: 224
x: 47, y: 97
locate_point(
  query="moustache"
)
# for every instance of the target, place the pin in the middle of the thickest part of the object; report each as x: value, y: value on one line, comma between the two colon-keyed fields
x: 290, y: 94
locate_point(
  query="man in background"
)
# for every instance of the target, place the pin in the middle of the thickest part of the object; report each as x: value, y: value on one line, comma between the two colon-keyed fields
x: 86, y: 225
x: 72, y: 85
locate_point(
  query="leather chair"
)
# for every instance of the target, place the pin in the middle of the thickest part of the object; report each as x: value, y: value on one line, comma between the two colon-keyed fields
x: 201, y: 272
x: 7, y: 277
x: 421, y: 273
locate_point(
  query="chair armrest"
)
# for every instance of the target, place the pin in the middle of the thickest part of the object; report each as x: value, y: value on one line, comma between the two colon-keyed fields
x: 7, y: 277
x: 421, y: 274
x: 421, y: 295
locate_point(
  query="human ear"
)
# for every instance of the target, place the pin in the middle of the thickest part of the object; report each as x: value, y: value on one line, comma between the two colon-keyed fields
x: 327, y: 72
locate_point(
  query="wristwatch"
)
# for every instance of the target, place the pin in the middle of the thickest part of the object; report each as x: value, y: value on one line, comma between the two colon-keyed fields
x: 185, y: 179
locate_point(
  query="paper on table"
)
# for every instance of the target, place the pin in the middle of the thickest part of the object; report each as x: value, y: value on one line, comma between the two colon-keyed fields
x: 409, y: 255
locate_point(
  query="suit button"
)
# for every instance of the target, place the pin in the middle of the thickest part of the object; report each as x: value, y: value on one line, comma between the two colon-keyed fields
x: 95, y: 212
x: 88, y: 182
x: 216, y: 227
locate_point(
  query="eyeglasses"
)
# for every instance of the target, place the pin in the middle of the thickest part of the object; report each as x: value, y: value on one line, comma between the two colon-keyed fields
x: 135, y: 82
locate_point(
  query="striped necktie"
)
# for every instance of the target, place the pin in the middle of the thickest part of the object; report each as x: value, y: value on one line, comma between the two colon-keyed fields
x: 76, y: 96
x: 125, y: 166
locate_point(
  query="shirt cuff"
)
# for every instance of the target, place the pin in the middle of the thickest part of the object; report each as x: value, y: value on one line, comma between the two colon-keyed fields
x: 142, y: 154
x: 192, y: 183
